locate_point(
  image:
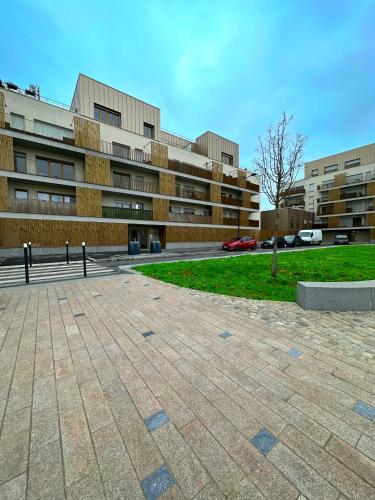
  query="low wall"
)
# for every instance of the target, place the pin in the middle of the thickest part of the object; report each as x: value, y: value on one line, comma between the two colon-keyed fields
x: 336, y: 296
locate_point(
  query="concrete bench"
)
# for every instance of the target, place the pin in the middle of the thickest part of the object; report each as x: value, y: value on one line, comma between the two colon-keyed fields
x: 336, y: 296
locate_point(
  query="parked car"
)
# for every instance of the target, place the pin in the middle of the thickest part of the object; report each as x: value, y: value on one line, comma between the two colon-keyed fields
x: 293, y: 240
x: 268, y: 243
x: 244, y: 243
x: 311, y: 236
x: 341, y: 239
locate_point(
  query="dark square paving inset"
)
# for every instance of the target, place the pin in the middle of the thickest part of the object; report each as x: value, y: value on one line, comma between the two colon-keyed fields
x: 264, y: 441
x: 157, y: 483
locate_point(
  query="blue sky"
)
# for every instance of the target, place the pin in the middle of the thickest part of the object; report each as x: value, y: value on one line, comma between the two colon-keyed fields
x: 227, y: 66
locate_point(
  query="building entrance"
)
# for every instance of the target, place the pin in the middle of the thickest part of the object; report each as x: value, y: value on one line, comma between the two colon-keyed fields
x: 144, y: 235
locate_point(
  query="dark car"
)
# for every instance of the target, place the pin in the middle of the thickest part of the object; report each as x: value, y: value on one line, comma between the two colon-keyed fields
x: 293, y: 240
x: 268, y: 243
x: 341, y: 239
x: 244, y: 243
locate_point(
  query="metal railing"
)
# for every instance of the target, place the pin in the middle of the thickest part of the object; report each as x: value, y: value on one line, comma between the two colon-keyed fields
x: 192, y: 194
x: 124, y: 152
x: 123, y: 182
x: 41, y: 207
x: 186, y: 168
x: 198, y: 219
x: 345, y: 196
x: 228, y: 200
x: 127, y: 213
x: 39, y: 128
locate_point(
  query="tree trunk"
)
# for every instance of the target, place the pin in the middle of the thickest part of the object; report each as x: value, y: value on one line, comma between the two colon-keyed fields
x: 274, y: 250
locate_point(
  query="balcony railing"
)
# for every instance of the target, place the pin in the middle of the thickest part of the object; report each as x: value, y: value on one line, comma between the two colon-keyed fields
x: 227, y: 200
x: 254, y: 205
x: 294, y: 203
x: 123, y: 182
x: 127, y: 213
x: 252, y: 186
x: 345, y: 196
x: 186, y: 168
x: 41, y: 207
x: 124, y: 152
x: 39, y: 128
x: 296, y: 190
x: 192, y: 194
x: 325, y: 211
x: 197, y: 219
x: 253, y: 223
x: 227, y: 179
x: 230, y: 221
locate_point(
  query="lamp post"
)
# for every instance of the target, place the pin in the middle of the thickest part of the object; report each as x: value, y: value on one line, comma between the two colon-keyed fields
x: 25, y: 257
x: 67, y: 251
x: 84, y: 259
x: 30, y: 259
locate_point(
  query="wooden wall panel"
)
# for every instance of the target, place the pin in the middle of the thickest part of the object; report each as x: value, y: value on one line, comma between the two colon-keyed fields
x: 372, y: 234
x: 242, y: 178
x: 86, y: 133
x: 4, y: 194
x: 160, y: 209
x: 167, y: 184
x: 244, y: 218
x: 340, y: 179
x: 333, y: 221
x: 2, y: 110
x: 246, y: 199
x: 159, y: 155
x: 371, y: 188
x: 334, y: 194
x: 215, y: 193
x: 97, y: 170
x: 371, y: 219
x: 217, y: 171
x: 183, y: 234
x: 6, y: 153
x: 217, y: 215
x: 339, y: 207
x: 88, y: 202
x: 52, y: 233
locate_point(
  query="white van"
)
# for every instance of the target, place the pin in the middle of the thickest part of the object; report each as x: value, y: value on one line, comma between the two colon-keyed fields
x: 311, y: 236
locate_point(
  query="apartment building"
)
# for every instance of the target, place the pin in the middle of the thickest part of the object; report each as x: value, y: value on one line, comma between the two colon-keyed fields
x: 103, y: 171
x: 340, y: 190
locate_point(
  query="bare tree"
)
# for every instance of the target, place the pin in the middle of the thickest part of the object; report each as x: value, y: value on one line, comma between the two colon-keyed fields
x: 278, y: 161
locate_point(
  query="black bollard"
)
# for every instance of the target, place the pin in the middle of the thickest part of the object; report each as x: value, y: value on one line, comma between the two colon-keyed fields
x: 30, y: 258
x: 84, y: 259
x: 67, y: 251
x: 26, y: 263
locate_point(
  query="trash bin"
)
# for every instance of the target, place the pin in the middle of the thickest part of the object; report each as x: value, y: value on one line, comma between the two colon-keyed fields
x: 155, y: 246
x: 134, y: 248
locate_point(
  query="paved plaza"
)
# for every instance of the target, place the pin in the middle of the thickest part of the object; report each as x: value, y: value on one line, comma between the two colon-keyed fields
x: 124, y: 387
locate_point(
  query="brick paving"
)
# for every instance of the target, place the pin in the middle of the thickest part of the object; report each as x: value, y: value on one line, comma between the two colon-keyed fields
x: 113, y: 389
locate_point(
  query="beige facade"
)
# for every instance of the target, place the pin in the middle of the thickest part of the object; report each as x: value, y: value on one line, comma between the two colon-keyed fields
x: 67, y: 165
x: 291, y: 220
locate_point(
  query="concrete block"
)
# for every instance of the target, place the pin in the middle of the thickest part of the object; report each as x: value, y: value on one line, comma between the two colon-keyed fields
x: 337, y: 296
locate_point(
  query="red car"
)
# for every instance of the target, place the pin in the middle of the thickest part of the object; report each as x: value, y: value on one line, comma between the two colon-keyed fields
x: 244, y: 243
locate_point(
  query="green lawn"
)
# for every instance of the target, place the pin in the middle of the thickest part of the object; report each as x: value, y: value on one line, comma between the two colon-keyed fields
x: 249, y: 275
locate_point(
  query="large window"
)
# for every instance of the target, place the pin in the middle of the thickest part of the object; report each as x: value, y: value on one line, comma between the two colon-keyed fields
x: 106, y: 115
x: 314, y: 172
x: 121, y: 150
x: 122, y: 204
x: 331, y: 168
x: 20, y: 162
x: 54, y: 168
x: 56, y: 198
x: 353, y: 163
x: 21, y: 194
x: 148, y: 130
x: 227, y: 159
x: 50, y: 130
x: 17, y: 121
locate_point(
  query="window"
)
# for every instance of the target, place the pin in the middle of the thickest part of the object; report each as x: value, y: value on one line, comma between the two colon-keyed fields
x: 20, y: 162
x: 331, y: 168
x: 54, y: 168
x: 138, y: 206
x: 21, y: 194
x: 56, y: 198
x: 53, y: 131
x: 353, y: 163
x: 106, y: 115
x: 120, y: 150
x: 314, y: 172
x: 148, y: 130
x: 227, y: 159
x: 122, y: 204
x: 311, y: 187
x: 121, y: 180
x: 138, y: 155
x: 17, y: 121
x: 189, y: 211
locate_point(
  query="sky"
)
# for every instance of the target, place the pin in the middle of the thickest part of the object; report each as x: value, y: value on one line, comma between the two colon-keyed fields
x: 230, y: 66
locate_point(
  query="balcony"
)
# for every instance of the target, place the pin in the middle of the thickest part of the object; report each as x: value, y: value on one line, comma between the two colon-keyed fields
x: 192, y: 218
x: 325, y: 211
x: 228, y: 200
x: 357, y: 194
x: 254, y: 223
x: 227, y: 179
x: 126, y: 213
x: 125, y: 152
x: 252, y: 186
x: 192, y: 194
x: 296, y: 190
x: 186, y: 168
x: 230, y: 221
x: 41, y: 207
x: 123, y: 182
x: 298, y: 202
x: 39, y: 128
x: 254, y: 205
